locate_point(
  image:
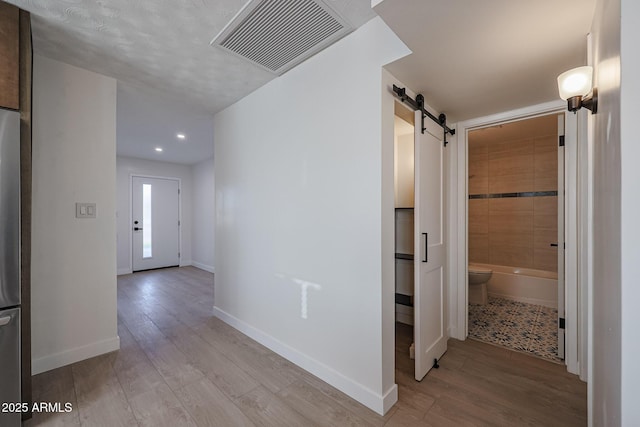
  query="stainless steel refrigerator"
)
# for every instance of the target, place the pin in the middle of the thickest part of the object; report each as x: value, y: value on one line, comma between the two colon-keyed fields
x: 9, y: 268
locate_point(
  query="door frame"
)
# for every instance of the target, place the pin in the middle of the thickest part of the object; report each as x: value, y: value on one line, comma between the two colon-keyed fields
x: 130, y: 227
x: 576, y: 331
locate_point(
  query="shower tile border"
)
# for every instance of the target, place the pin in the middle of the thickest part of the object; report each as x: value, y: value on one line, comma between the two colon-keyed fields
x: 507, y: 195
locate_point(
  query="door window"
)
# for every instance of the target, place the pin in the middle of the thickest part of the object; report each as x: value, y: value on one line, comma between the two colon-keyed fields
x: 146, y: 221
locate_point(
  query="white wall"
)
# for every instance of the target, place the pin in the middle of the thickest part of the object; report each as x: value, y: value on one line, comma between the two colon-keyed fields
x: 298, y: 215
x: 73, y: 260
x: 630, y: 212
x: 615, y: 384
x: 127, y: 166
x: 203, y: 213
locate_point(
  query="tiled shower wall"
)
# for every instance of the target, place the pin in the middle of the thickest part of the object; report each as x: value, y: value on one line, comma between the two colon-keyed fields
x: 514, y: 229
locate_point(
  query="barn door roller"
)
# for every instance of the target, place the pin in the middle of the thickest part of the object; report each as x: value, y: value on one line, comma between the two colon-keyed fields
x: 418, y: 104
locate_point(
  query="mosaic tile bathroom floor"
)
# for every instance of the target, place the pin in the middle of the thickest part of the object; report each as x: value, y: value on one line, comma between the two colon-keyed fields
x: 522, y: 327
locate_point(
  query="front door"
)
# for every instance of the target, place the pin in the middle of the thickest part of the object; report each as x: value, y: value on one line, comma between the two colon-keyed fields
x: 430, y: 332
x: 155, y: 222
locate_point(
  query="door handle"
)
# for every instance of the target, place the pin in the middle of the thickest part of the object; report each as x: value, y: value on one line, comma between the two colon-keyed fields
x: 554, y: 244
x: 5, y: 320
x: 426, y: 247
x: 137, y: 228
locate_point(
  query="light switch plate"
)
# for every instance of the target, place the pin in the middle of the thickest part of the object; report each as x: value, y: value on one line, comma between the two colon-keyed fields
x: 85, y: 210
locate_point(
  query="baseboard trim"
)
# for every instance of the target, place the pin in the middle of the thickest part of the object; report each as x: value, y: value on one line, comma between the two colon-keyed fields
x: 453, y: 332
x: 57, y: 360
x: 122, y: 271
x: 376, y: 402
x: 202, y: 266
x: 389, y: 399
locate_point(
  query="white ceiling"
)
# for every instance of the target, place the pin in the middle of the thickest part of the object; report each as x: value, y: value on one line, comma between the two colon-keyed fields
x: 474, y: 58
x: 147, y: 119
x: 159, y: 46
x: 471, y: 58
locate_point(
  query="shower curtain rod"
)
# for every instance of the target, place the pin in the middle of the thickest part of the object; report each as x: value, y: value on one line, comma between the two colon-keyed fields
x: 418, y: 104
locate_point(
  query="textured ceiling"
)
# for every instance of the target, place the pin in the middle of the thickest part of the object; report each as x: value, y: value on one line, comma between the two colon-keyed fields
x: 158, y: 44
x: 474, y: 58
x: 470, y: 58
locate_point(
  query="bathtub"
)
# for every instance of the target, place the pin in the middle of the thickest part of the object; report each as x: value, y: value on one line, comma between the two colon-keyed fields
x: 523, y: 284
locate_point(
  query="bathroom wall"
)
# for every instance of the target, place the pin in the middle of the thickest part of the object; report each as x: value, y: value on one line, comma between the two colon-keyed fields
x: 513, y: 199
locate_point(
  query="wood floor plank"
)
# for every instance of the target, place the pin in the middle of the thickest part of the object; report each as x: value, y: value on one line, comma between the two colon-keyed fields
x: 60, y: 393
x: 160, y: 316
x: 225, y: 374
x: 465, y: 413
x: 210, y: 407
x: 147, y: 335
x: 414, y: 401
x: 101, y: 400
x: 173, y: 365
x: 402, y: 418
x: 266, y: 409
x: 179, y: 365
x: 355, y: 407
x: 133, y: 368
x: 315, y: 405
x: 551, y: 405
x: 159, y: 407
x: 53, y: 382
x: 249, y: 359
x: 485, y: 377
x: 138, y: 378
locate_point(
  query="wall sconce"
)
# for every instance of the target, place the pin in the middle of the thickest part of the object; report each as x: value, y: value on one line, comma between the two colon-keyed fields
x: 575, y: 86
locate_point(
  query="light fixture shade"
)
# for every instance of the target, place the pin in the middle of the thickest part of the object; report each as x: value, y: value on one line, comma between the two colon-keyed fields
x: 575, y: 82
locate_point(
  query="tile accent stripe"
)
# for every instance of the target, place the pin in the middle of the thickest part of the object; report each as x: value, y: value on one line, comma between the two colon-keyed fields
x: 505, y: 195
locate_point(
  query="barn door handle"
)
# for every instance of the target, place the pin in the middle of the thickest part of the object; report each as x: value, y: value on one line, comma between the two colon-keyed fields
x: 426, y: 247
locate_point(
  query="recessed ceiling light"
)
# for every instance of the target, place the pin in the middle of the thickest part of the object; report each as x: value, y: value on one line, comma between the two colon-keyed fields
x: 181, y: 136
x: 159, y: 149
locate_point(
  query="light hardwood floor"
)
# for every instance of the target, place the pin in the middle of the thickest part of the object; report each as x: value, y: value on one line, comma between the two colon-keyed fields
x: 179, y: 366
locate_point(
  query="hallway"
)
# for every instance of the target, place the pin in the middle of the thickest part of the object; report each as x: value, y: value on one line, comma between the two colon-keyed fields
x: 179, y: 366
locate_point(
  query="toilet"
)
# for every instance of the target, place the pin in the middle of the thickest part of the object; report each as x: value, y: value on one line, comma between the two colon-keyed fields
x: 478, y: 278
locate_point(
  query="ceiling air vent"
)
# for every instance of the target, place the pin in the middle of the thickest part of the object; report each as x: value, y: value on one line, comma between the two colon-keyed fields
x: 279, y: 34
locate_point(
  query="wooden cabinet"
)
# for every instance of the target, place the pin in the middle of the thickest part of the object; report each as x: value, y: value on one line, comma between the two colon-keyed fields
x: 9, y: 56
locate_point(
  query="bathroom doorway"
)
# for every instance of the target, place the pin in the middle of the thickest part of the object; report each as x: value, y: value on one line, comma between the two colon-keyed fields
x: 515, y: 217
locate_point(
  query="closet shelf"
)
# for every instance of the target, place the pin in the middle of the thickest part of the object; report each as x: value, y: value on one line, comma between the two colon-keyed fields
x: 403, y: 299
